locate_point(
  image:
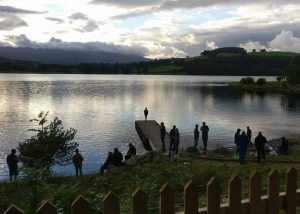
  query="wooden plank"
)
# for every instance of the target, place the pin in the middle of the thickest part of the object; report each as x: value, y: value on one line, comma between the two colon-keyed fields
x: 167, y: 200
x: 273, y: 205
x: 139, y: 202
x: 290, y: 188
x: 190, y: 198
x: 254, y: 193
x: 81, y: 205
x: 13, y: 210
x: 149, y: 132
x: 213, y: 196
x: 235, y: 194
x: 111, y: 204
x: 47, y: 208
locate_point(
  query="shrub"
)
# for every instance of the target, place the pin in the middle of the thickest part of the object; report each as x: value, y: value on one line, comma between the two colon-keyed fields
x: 261, y: 81
x: 247, y: 80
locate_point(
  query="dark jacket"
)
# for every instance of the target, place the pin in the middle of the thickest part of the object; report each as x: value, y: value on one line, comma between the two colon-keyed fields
x: 260, y: 142
x: 12, y: 162
x: 196, y: 133
x: 242, y: 143
x: 117, y: 158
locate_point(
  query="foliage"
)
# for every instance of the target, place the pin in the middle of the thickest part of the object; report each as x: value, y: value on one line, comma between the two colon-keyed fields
x: 247, y: 80
x: 261, y: 81
x: 293, y: 71
x: 51, y: 143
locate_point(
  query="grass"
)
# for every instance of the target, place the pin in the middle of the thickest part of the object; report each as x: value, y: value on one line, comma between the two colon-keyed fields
x: 274, y: 54
x: 150, y: 174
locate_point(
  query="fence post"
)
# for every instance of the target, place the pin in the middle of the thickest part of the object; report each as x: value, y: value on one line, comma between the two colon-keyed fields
x: 167, y: 200
x: 47, y: 208
x: 13, y: 210
x: 111, y: 204
x: 139, y: 202
x: 254, y: 193
x: 235, y: 194
x: 213, y: 196
x: 273, y: 206
x: 291, y: 188
x: 81, y: 205
x: 190, y: 198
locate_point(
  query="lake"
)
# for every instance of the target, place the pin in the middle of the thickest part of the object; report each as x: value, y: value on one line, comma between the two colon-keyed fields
x: 103, y: 108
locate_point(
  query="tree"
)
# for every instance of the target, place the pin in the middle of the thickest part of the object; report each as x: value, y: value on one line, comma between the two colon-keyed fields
x: 292, y: 73
x: 51, y: 144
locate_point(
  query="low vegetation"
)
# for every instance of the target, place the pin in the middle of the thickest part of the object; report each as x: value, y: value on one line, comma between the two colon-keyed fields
x: 144, y: 173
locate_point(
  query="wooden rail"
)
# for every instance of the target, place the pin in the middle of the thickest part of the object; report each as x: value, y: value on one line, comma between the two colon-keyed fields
x: 271, y: 203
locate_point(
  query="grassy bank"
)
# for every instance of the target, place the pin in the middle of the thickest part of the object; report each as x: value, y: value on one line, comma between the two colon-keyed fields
x: 275, y: 87
x: 149, y: 172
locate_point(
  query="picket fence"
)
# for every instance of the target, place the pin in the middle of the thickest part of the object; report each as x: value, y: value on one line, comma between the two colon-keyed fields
x: 271, y: 203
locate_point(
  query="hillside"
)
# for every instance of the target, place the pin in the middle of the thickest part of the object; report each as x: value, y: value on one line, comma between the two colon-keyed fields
x: 240, y: 64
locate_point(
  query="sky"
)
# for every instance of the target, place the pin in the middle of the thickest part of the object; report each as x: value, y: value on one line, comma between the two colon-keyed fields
x: 152, y: 28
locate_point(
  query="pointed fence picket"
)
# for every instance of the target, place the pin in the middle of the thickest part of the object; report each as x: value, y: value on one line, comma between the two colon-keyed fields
x: 271, y: 203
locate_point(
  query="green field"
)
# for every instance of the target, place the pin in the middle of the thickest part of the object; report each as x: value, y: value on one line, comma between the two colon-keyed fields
x: 274, y: 54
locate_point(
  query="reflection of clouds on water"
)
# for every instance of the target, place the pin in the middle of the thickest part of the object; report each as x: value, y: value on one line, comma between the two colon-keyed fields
x: 104, y: 108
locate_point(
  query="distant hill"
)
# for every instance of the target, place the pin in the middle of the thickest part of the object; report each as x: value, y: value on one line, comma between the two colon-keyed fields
x: 67, y: 57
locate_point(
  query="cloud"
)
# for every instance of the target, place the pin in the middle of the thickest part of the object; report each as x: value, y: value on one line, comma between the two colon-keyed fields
x: 285, y: 41
x: 54, y: 43
x: 250, y: 45
x: 9, y: 22
x: 128, y: 3
x: 78, y: 16
x: 134, y: 13
x: 90, y: 26
x: 9, y: 9
x: 57, y: 20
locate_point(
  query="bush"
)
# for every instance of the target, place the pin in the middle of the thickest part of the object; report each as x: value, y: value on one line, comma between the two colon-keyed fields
x: 261, y: 81
x: 247, y: 80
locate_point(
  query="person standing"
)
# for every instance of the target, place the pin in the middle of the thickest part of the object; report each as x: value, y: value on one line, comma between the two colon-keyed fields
x: 172, y: 140
x: 204, y: 129
x: 176, y: 141
x: 146, y: 113
x: 249, y: 136
x: 162, y: 136
x: 117, y: 158
x: 236, y: 140
x: 12, y: 162
x: 243, y: 144
x: 108, y: 163
x: 196, y: 136
x: 77, y: 161
x: 260, y: 142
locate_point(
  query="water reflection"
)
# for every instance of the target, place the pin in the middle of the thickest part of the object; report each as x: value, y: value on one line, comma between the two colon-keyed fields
x: 104, y: 111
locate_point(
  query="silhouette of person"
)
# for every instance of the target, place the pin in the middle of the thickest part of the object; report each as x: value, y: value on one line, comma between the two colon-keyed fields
x: 131, y: 152
x: 77, y: 161
x: 260, y: 142
x: 172, y: 139
x: 284, y: 147
x: 162, y: 136
x: 196, y: 136
x: 249, y: 136
x: 117, y: 157
x: 107, y: 164
x: 236, y: 140
x: 243, y: 144
x: 12, y: 162
x: 146, y: 113
x: 204, y: 129
x: 176, y: 140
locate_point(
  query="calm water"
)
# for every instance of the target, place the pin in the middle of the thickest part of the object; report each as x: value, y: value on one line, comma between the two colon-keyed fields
x: 103, y: 108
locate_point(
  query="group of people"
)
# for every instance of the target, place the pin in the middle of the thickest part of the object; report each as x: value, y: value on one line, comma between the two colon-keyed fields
x: 175, y: 137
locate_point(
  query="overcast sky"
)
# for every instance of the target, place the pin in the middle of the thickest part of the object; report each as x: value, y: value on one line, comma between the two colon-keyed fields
x: 153, y: 28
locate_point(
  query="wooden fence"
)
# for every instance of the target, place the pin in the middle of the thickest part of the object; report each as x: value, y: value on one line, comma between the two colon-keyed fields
x: 271, y: 203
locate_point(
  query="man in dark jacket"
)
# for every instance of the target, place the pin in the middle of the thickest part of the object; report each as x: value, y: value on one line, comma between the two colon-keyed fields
x: 117, y: 158
x: 131, y: 152
x: 196, y: 136
x: 204, y: 129
x: 260, y: 142
x: 77, y: 161
x: 146, y: 113
x: 249, y: 136
x: 162, y: 136
x: 236, y: 140
x: 12, y: 162
x: 243, y: 144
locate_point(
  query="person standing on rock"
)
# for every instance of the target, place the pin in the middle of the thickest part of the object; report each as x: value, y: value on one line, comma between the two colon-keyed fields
x: 146, y: 113
x: 172, y: 140
x: 196, y: 136
x: 249, y: 136
x: 243, y: 145
x: 162, y: 136
x: 176, y: 141
x: 204, y: 129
